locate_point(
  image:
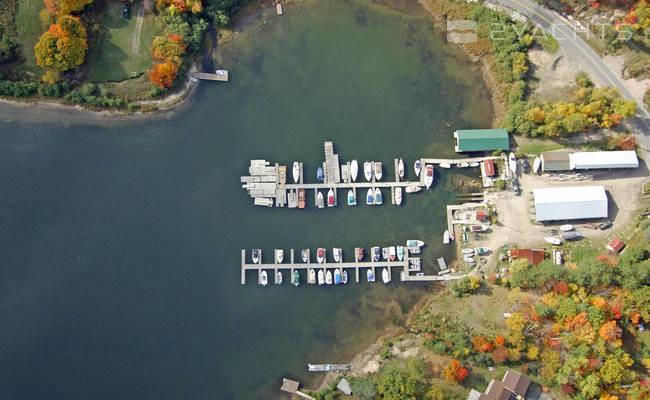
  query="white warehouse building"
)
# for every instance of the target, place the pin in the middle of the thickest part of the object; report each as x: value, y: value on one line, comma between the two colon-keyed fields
x: 574, y: 202
x: 603, y: 159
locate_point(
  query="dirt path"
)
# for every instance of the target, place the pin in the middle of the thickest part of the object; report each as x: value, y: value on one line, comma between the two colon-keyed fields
x: 135, y: 42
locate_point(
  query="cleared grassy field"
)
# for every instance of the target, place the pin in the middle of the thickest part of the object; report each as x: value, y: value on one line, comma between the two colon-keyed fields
x: 116, y: 58
x: 29, y: 28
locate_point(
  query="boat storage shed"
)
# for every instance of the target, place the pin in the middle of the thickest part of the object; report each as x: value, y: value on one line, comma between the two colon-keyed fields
x: 604, y: 159
x: 555, y: 161
x: 574, y: 202
x: 481, y: 140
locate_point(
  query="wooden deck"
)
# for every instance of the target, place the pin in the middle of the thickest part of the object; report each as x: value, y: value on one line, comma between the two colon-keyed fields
x: 210, y: 77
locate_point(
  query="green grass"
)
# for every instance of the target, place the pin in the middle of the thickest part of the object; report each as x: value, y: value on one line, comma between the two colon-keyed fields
x: 537, y: 148
x: 113, y: 59
x: 29, y: 29
x: 549, y: 44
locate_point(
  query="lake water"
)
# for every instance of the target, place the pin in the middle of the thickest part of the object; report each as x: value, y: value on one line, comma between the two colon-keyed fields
x: 120, y: 240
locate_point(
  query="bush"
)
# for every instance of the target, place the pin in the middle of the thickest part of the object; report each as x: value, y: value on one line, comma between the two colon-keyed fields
x: 466, y: 285
x: 363, y: 388
x: 583, y: 80
x: 500, y: 184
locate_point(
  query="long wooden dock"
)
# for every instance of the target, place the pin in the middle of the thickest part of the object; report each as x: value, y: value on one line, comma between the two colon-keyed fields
x: 222, y: 76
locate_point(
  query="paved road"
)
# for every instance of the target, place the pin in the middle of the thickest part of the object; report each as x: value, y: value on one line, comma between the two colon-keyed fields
x: 572, y: 42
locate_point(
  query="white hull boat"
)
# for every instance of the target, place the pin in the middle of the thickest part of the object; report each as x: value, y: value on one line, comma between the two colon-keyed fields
x: 370, y: 276
x: 278, y: 278
x: 464, y: 164
x: 482, y: 250
x: 384, y: 276
x: 378, y: 172
x: 414, y: 243
x: 367, y: 170
x: 370, y: 197
x: 320, y: 255
x: 392, y: 252
x: 536, y: 164
x: 376, y: 253
x: 400, y: 168
x: 428, y: 177
x: 478, y: 228
x: 320, y: 201
x: 566, y: 228
x: 305, y: 255
x: 444, y: 165
x: 467, y: 251
x: 469, y: 260
x: 378, y: 200
x: 337, y: 254
x: 296, y: 171
x: 474, y: 164
x: 417, y: 167
x: 398, y: 196
x: 413, y: 188
x: 553, y: 241
x: 321, y: 277
x: 312, y: 276
x: 352, y: 201
x: 400, y: 253
x: 279, y: 255
x: 328, y: 277
x: 512, y: 162
x: 445, y: 237
x: 256, y: 256
x: 264, y: 279
x: 354, y: 170
x: 384, y: 253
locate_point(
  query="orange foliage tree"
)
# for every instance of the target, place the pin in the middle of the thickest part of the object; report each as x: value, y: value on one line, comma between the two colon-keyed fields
x: 163, y: 74
x: 64, y: 7
x: 175, y: 6
x: 610, y: 331
x: 454, y: 372
x: 170, y: 47
x: 62, y: 47
x: 482, y: 344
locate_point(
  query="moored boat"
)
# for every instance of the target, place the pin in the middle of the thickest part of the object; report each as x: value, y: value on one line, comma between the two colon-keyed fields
x: 370, y: 276
x: 482, y: 250
x: 278, y: 278
x: 354, y: 170
x: 398, y: 195
x: 512, y: 163
x: 296, y: 171
x: 417, y: 167
x: 360, y: 253
x: 321, y: 277
x: 256, y: 256
x: 413, y: 188
x: 566, y: 228
x: 414, y: 243
x: 444, y: 165
x: 464, y: 164
x: 428, y: 177
x: 301, y: 198
x: 367, y: 170
x: 384, y: 276
x: 328, y: 277
x: 330, y: 198
x: 296, y: 278
x: 320, y: 201
x: 344, y: 277
x: 400, y: 168
x: 279, y: 255
x: 320, y: 255
x: 392, y: 253
x: 474, y: 164
x: 478, y: 228
x: 536, y: 164
x: 337, y: 276
x: 305, y: 255
x: 378, y: 199
x: 376, y: 253
x: 445, y: 237
x: 264, y: 279
x: 378, y: 171
x: 312, y: 276
x: 319, y: 174
x: 337, y: 254
x: 553, y: 241
x: 370, y: 197
x: 352, y: 201
x: 384, y: 253
x: 400, y: 253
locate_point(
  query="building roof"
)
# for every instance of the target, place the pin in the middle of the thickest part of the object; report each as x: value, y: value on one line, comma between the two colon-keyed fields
x: 496, y: 391
x: 289, y: 385
x: 534, y: 256
x: 480, y: 215
x: 476, y: 395
x: 616, y: 245
x: 604, y: 159
x: 571, y: 202
x: 481, y: 139
x: 488, y: 165
x: 516, y: 382
x: 344, y: 386
x: 556, y: 161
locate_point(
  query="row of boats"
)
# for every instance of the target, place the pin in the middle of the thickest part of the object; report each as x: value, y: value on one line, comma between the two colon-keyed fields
x: 324, y: 277
x: 468, y: 253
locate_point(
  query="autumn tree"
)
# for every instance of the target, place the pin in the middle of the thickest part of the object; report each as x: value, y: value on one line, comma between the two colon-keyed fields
x: 163, y: 74
x: 482, y: 344
x: 180, y: 6
x: 64, y: 7
x: 454, y: 372
x: 61, y: 48
x: 171, y: 47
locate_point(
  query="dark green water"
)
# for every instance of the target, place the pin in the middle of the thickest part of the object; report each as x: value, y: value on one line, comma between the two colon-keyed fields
x: 120, y: 239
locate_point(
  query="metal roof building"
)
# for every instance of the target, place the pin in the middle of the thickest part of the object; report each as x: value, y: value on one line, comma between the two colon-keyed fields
x: 574, y: 202
x: 555, y: 161
x: 481, y: 140
x: 604, y: 159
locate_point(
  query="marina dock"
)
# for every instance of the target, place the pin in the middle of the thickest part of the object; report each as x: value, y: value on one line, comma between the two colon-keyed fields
x: 328, y: 367
x: 221, y: 76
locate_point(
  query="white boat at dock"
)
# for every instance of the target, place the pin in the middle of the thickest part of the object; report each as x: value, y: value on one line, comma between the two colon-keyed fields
x: 413, y: 188
x: 378, y: 200
x: 414, y: 243
x: 398, y: 195
x: 428, y: 177
x: 376, y: 253
x: 400, y: 169
x: 444, y: 165
x: 474, y: 164
x: 279, y: 255
x: 566, y: 228
x: 328, y: 277
x: 417, y: 167
x: 264, y: 279
x: 370, y: 197
x: 463, y: 164
x: 278, y: 278
x: 536, y: 164
x: 331, y: 202
x: 384, y: 276
x: 296, y: 172
x: 320, y: 201
x: 553, y: 241
x: 321, y: 277
x: 392, y: 252
x: 352, y: 201
x: 400, y: 253
x: 512, y: 163
x: 370, y: 276
x: 256, y: 256
x: 338, y: 252
x: 378, y: 171
x: 384, y: 253
x: 305, y: 255
x: 367, y: 170
x: 320, y: 255
x: 354, y: 170
x: 445, y: 237
x: 312, y: 276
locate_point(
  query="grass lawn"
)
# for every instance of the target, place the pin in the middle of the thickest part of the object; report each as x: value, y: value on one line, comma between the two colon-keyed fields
x: 537, y: 147
x: 114, y: 59
x: 29, y: 28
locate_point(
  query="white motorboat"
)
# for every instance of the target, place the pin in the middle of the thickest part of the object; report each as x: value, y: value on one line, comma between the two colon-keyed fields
x: 320, y: 201
x: 474, y: 164
x: 467, y: 251
x: 331, y: 201
x: 536, y: 164
x: 444, y: 165
x: 428, y: 177
x: 370, y: 197
x: 320, y: 255
x: 469, y: 260
x: 312, y: 276
x: 378, y: 171
x: 378, y: 199
x: 392, y: 252
x: 256, y: 256
x: 296, y: 171
x: 414, y: 243
x: 384, y: 276
x: 370, y: 276
x: 512, y: 163
x: 278, y: 278
x: 445, y: 237
x: 400, y: 253
x: 305, y: 255
x: 398, y: 195
x: 344, y: 277
x: 352, y: 201
x: 413, y: 188
x: 464, y: 164
x: 478, y: 228
x: 321, y: 277
x: 328, y: 277
x: 400, y: 168
x: 367, y: 170
x: 417, y: 167
x: 566, y: 228
x: 553, y: 241
x: 354, y: 170
x: 264, y: 279
x: 337, y: 254
x: 279, y: 255
x: 384, y: 253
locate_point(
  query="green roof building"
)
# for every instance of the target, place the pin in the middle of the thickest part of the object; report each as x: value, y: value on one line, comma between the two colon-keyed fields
x: 481, y: 140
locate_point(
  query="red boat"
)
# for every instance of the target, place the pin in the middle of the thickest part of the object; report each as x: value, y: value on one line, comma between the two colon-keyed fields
x: 330, y: 198
x: 360, y: 253
x: 301, y: 198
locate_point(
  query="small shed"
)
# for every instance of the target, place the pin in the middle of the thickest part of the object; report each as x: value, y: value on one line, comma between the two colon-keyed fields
x: 556, y: 161
x: 490, y: 170
x: 534, y: 256
x: 616, y: 245
x: 481, y: 140
x: 344, y: 386
x: 604, y: 159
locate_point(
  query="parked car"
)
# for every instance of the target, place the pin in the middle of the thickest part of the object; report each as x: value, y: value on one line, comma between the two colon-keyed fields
x: 525, y: 166
x: 605, y: 225
x: 125, y: 12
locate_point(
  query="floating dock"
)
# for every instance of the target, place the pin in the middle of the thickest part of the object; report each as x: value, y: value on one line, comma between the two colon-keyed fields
x: 328, y: 367
x: 220, y: 75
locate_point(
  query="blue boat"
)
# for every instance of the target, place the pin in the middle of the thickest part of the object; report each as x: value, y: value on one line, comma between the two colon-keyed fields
x: 370, y: 198
x: 319, y: 174
x: 337, y: 277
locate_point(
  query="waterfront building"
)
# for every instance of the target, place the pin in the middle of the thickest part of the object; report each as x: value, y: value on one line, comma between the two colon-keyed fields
x: 567, y: 203
x: 481, y: 140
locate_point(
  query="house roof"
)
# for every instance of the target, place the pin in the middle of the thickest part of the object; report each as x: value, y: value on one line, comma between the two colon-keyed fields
x: 497, y: 391
x: 556, y: 161
x: 489, y: 168
x: 481, y: 139
x: 480, y: 214
x: 616, y: 245
x: 476, y: 395
x: 516, y: 382
x: 534, y: 256
x: 570, y: 202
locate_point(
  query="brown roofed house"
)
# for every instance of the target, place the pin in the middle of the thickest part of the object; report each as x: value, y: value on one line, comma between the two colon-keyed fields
x: 497, y: 391
x: 489, y: 168
x: 616, y: 245
x: 534, y: 256
x: 516, y: 382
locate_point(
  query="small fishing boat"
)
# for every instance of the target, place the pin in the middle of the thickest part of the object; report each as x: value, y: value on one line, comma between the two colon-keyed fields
x: 296, y: 171
x: 445, y: 237
x: 305, y: 255
x: 256, y: 256
x: 512, y: 163
x: 279, y: 255
x: 328, y: 277
x: 467, y: 251
x: 384, y: 253
x: 370, y: 197
x: 378, y: 172
x: 413, y: 188
x: 367, y: 170
x: 376, y: 253
x: 478, y: 228
x: 414, y: 250
x: 370, y: 276
x: 337, y: 254
x: 469, y: 260
x: 392, y: 253
x: 320, y: 201
x: 330, y: 198
x: 319, y: 174
x: 344, y: 277
x: 414, y: 243
x: 570, y: 235
x: 444, y: 165
x: 554, y: 241
x: 384, y: 276
x: 536, y: 164
x: 428, y: 177
x: 378, y: 199
x: 264, y: 279
x: 482, y: 250
x: 320, y: 255
x: 360, y: 253
x: 418, y: 167
x: 398, y: 195
x: 337, y: 276
x: 301, y: 198
x: 566, y: 228
x: 464, y: 164
x: 400, y: 253
x: 352, y: 201
x: 278, y: 278
x: 312, y: 276
x: 400, y: 168
x: 321, y: 277
x: 354, y: 170
x: 296, y: 278
x: 474, y: 164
